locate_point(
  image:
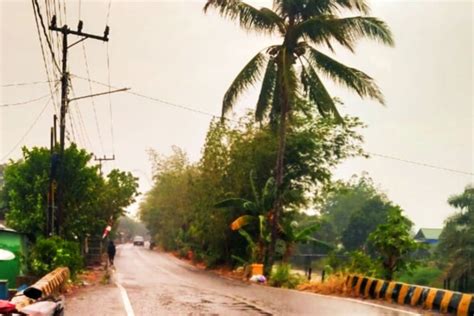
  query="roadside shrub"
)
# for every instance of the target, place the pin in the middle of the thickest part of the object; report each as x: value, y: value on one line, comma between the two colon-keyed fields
x: 426, y: 275
x: 361, y: 263
x: 333, y: 285
x: 282, y: 277
x: 48, y: 254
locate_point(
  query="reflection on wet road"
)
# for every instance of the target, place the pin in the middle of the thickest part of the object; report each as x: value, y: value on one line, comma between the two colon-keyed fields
x: 159, y: 284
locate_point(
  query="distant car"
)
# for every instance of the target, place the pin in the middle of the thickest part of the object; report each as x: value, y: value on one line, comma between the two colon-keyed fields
x: 138, y: 241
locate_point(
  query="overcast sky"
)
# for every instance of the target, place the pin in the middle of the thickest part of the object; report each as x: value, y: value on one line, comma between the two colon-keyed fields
x: 172, y: 51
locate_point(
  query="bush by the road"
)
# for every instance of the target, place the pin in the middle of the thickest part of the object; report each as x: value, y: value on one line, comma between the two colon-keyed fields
x: 426, y: 275
x: 282, y: 277
x: 48, y: 254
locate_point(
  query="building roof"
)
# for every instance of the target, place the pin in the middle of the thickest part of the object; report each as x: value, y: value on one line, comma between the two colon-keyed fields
x: 429, y: 233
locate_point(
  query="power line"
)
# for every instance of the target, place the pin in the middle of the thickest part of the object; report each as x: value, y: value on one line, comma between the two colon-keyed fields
x: 26, y: 83
x: 35, y: 3
x: 108, y: 13
x: 28, y: 130
x: 184, y: 107
x: 44, y: 56
x: 421, y: 164
x: 110, y: 102
x: 92, y: 99
x: 82, y: 129
x: 25, y: 102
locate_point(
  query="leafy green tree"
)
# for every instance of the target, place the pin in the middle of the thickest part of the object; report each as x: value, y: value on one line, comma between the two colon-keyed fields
x: 456, y: 245
x: 351, y: 211
x: 394, y: 245
x: 90, y: 201
x: 292, y: 68
x: 364, y: 221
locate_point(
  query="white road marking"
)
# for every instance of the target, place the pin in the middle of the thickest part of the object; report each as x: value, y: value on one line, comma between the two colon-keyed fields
x: 125, y: 300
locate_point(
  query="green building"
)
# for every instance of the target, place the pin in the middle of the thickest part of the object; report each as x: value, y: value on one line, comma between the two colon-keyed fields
x: 12, y: 242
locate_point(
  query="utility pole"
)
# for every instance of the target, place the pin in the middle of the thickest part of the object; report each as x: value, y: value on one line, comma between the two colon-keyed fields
x: 65, y: 31
x: 103, y: 159
x: 52, y: 181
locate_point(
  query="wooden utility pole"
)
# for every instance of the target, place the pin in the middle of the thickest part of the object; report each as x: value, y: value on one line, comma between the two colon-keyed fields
x: 65, y: 31
x: 103, y: 159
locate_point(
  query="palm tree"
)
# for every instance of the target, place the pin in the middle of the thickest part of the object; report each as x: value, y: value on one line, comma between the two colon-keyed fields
x: 292, y: 69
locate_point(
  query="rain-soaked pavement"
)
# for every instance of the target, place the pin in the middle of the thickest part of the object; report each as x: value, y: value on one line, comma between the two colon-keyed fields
x: 151, y: 283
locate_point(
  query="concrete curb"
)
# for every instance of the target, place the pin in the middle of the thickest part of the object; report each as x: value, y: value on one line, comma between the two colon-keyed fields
x: 444, y: 301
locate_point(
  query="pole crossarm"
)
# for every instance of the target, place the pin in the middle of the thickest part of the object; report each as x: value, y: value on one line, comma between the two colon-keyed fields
x: 98, y: 94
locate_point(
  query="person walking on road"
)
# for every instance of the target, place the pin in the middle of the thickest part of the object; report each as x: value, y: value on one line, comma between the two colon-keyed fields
x: 111, y: 252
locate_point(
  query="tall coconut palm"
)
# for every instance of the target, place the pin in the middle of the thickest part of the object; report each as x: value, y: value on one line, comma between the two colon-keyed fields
x: 292, y: 69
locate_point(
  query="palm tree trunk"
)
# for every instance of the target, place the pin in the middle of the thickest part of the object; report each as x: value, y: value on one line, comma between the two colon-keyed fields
x: 279, y: 170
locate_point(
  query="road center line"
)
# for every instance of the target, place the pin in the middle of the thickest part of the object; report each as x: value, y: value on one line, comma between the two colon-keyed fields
x: 125, y: 300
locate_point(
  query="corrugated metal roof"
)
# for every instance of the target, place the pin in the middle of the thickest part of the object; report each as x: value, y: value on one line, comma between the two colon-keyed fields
x: 431, y: 233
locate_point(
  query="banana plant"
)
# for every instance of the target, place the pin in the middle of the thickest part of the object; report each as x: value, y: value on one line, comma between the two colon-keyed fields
x: 292, y: 233
x: 257, y: 212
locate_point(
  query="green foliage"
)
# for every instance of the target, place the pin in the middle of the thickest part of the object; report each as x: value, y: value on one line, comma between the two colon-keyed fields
x: 423, y: 275
x: 455, y: 250
x: 283, y: 277
x: 359, y: 262
x: 181, y: 211
x: 292, y: 72
x: 48, y: 254
x: 394, y: 245
x: 292, y: 68
x: 351, y: 211
x: 89, y: 200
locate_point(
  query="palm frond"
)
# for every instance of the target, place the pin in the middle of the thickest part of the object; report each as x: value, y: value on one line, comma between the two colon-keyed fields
x: 235, y: 203
x: 249, y: 17
x: 346, y: 31
x: 352, y: 78
x: 266, y: 92
x: 305, y: 233
x: 318, y: 94
x: 319, y: 242
x: 302, y: 10
x: 355, y: 5
x: 246, y: 77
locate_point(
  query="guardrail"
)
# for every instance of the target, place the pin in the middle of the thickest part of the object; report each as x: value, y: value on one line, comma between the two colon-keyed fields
x: 52, y: 283
x: 445, y: 301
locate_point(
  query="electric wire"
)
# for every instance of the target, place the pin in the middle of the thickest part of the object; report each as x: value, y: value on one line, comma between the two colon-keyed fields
x: 25, y: 102
x: 108, y: 12
x: 46, y: 34
x: 110, y: 102
x: 421, y: 164
x: 19, y: 84
x: 48, y: 76
x: 83, y: 131
x: 28, y: 130
x: 92, y: 99
x: 184, y: 107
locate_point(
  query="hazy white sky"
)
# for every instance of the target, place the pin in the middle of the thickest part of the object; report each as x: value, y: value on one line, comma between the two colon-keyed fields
x: 173, y: 51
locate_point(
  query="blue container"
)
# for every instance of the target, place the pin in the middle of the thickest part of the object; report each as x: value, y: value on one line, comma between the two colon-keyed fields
x: 3, y: 289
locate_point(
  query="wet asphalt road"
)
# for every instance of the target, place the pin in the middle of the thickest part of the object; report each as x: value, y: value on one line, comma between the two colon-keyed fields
x: 159, y: 284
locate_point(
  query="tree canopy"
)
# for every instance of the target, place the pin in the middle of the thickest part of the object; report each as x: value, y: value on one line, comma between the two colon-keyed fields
x: 90, y: 200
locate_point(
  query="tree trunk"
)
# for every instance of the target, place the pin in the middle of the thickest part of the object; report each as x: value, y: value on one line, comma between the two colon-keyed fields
x: 279, y: 170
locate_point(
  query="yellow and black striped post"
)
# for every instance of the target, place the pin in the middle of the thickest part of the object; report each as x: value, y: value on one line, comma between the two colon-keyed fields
x: 50, y: 284
x: 445, y: 301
